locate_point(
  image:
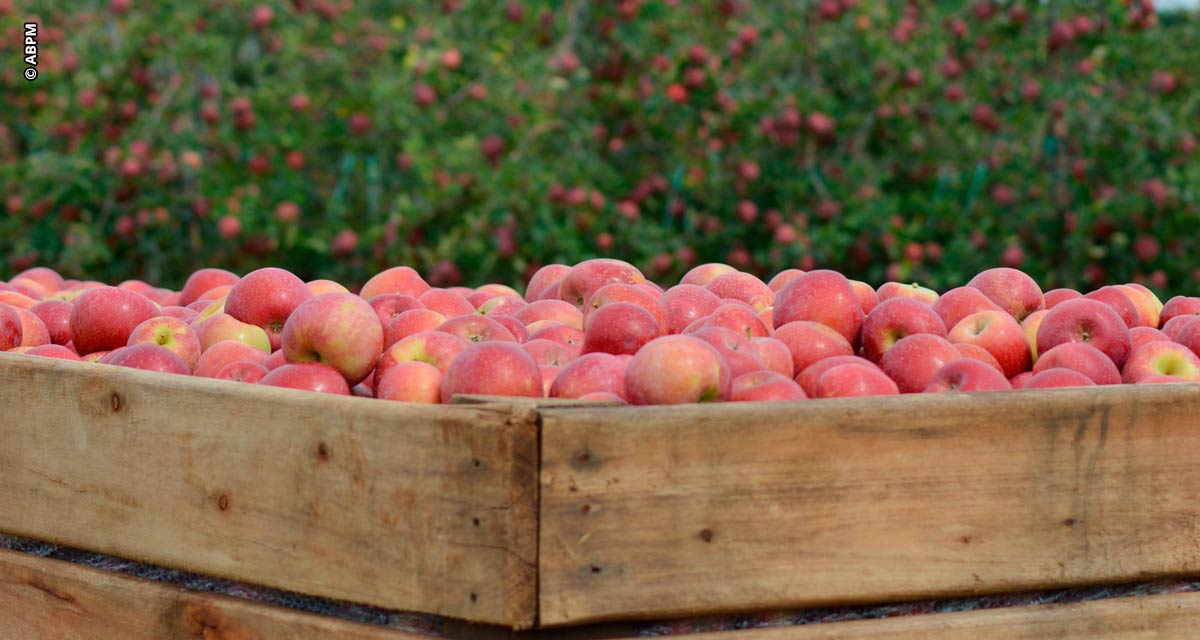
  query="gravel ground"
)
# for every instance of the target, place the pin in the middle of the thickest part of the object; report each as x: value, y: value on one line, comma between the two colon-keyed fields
x: 432, y: 625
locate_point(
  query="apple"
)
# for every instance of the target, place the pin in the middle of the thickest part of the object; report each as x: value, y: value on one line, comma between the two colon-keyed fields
x: 591, y: 373
x: 1057, y: 377
x: 476, y: 328
x: 1015, y: 292
x: 1030, y: 326
x: 976, y: 352
x: 610, y: 293
x: 1179, y: 306
x: 968, y: 374
x: 777, y: 355
x: 29, y: 287
x: 402, y: 280
x: 243, y: 371
x: 549, y: 373
x: 431, y: 347
x: 889, y: 290
x: 556, y: 332
x: 54, y: 351
x: 11, y: 332
x: 1021, y: 379
x: 56, y: 317
x: 273, y: 361
x: 867, y: 298
x: 149, y: 357
x: 319, y: 287
x: 894, y: 319
x: 216, y: 293
x: 765, y: 386
x: 545, y: 278
x: 1172, y: 327
x: 787, y: 275
x: 411, y: 382
x: 1161, y: 358
x: 514, y: 326
x: 556, y: 310
x: 1081, y: 357
x: 506, y: 305
x: 225, y: 327
x: 701, y: 275
x: 307, y: 376
x: 103, y: 318
x: 95, y: 356
x: 548, y: 352
x: 47, y: 277
x: 21, y: 300
x: 337, y: 329
x: 914, y: 359
x: 216, y: 357
x: 266, y: 298
x: 492, y: 368
x: 737, y: 350
x: 619, y: 328
x: 852, y: 380
x: 448, y: 304
x: 390, y: 305
x: 33, y: 330
x: 1141, y: 335
x: 686, y: 303
x: 675, y: 370
x: 999, y: 334
x: 409, y: 322
x: 809, y: 342
x: 960, y: 302
x: 807, y: 379
x: 1145, y: 302
x: 172, y: 333
x: 1084, y: 320
x: 1188, y: 335
x: 182, y: 313
x: 744, y: 287
x: 735, y: 315
x: 1115, y: 298
x: 1055, y: 296
x: 821, y: 296
x: 203, y: 280
x: 603, y: 396
x: 583, y: 279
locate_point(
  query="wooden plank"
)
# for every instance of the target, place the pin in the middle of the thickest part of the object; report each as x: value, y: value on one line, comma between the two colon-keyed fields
x: 1162, y: 617
x: 672, y: 512
x: 430, y: 509
x: 55, y: 600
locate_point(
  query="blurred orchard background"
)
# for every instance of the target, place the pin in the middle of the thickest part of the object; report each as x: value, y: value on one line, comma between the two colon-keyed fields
x: 479, y: 139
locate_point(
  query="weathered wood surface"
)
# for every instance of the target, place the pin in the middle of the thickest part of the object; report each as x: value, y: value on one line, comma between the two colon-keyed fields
x: 43, y: 599
x: 681, y: 511
x: 429, y: 509
x: 1159, y: 617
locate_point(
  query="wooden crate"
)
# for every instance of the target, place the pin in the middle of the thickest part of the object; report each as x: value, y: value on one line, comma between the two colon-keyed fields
x: 429, y: 509
x: 579, y: 520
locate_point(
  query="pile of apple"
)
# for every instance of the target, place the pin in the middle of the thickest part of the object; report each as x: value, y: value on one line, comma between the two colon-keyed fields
x: 599, y: 330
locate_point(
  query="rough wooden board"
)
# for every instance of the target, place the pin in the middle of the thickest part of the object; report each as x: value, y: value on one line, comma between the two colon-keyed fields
x: 429, y: 509
x: 679, y: 511
x: 55, y: 600
x: 1161, y: 617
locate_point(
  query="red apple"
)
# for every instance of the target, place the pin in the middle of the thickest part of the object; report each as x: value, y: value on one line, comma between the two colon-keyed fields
x: 33, y: 330
x: 583, y: 279
x: 914, y: 359
x: 410, y: 322
x: 492, y: 368
x: 1188, y: 335
x: 307, y: 376
x: 821, y: 296
x: 1115, y: 298
x: 544, y: 282
x: 999, y: 334
x: 54, y: 351
x: 1146, y: 303
x: 182, y: 313
x: 1015, y: 292
x: 1161, y: 358
x: 557, y: 310
x: 735, y: 315
x: 20, y: 300
x: 549, y: 373
x: 1089, y: 321
x: 853, y: 380
x: 225, y: 327
x: 619, y: 328
x: 867, y: 298
x: 548, y: 352
x: 1141, y: 335
x: 686, y: 303
x: 103, y: 318
x: 390, y: 305
x: 506, y: 305
x: 1179, y: 306
x: 149, y: 357
x: 402, y: 280
x: 514, y: 326
x: 431, y: 347
x: 1055, y: 296
x: 337, y: 329
x: 203, y: 280
x: 56, y: 317
x: 958, y: 303
x: 976, y: 352
x: 445, y: 303
x: 1057, y: 377
x: 411, y: 382
x: 603, y: 396
x: 11, y: 331
x: 266, y: 298
x: 1172, y: 327
x: 242, y: 371
x: 777, y: 355
x: 475, y: 328
x: 743, y: 287
x: 271, y: 362
x: 634, y: 294
x: 591, y: 373
x: 675, y: 370
x: 894, y: 319
x: 737, y: 350
x: 557, y: 332
x: 221, y: 354
x: 968, y: 374
x: 807, y: 379
x: 47, y: 277
x: 95, y: 356
x: 1021, y: 379
x: 172, y: 333
x: 1081, y: 357
x: 319, y: 287
x: 765, y: 386
x: 889, y: 290
x: 810, y: 342
x: 1030, y: 326
x: 786, y: 276
x: 701, y: 275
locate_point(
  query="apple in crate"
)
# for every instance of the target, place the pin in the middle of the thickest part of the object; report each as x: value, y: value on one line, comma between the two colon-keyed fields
x: 307, y: 376
x: 687, y: 303
x: 960, y: 302
x: 266, y: 298
x: 999, y: 334
x: 821, y: 296
x: 223, y: 326
x: 150, y: 357
x: 172, y: 333
x: 591, y: 373
x: 10, y: 328
x: 337, y: 329
x: 103, y: 318
x: 619, y: 328
x: 1088, y: 321
x: 852, y: 380
x: 493, y: 368
x: 676, y: 370
x: 968, y: 374
x: 913, y: 360
x: 809, y: 342
x: 204, y: 280
x: 1081, y: 357
x: 410, y: 382
x: 56, y: 316
x: 894, y: 319
x: 242, y: 371
x: 1015, y: 292
x: 54, y: 351
x: 765, y: 386
x: 222, y: 354
x: 33, y: 330
x: 1161, y: 358
x: 402, y: 280
x: 1058, y: 377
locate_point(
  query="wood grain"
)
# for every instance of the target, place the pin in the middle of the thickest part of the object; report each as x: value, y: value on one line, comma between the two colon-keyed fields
x: 430, y: 509
x: 1161, y: 617
x: 679, y: 511
x: 43, y: 599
